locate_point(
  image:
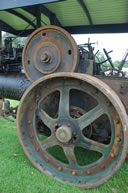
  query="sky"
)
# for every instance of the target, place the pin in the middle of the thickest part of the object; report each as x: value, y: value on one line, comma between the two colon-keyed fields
x: 116, y: 42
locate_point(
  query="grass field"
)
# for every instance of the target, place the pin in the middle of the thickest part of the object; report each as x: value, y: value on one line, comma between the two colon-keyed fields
x: 17, y: 175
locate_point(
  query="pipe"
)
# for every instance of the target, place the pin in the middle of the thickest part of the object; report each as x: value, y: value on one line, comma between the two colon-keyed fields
x: 13, y: 85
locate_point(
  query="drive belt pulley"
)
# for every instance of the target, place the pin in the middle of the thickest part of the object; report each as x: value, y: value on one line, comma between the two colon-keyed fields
x: 48, y: 50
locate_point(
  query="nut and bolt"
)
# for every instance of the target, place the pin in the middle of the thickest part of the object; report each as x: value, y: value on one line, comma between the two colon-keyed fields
x: 112, y: 155
x: 88, y: 172
x: 45, y: 58
x: 118, y: 139
x: 60, y: 168
x: 74, y: 173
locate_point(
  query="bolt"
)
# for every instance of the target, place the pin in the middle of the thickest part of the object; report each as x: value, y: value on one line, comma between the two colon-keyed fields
x: 118, y: 139
x: 45, y: 58
x: 29, y: 121
x: 88, y: 172
x: 118, y: 121
x: 60, y: 168
x: 112, y: 155
x: 73, y: 172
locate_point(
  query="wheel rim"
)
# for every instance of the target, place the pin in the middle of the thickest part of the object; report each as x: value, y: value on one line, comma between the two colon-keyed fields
x: 67, y: 131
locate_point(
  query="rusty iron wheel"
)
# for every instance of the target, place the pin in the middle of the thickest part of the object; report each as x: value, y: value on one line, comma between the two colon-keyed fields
x: 49, y: 49
x: 59, y: 154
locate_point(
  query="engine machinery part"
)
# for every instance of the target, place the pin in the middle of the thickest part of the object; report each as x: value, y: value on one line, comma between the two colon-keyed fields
x: 10, y: 57
x: 49, y: 49
x: 6, y: 111
x: 72, y: 126
x: 68, y: 123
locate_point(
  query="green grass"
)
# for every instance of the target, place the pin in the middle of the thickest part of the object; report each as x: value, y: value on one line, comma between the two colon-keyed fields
x: 17, y: 175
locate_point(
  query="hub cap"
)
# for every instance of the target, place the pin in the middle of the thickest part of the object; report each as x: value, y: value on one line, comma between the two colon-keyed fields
x: 64, y: 134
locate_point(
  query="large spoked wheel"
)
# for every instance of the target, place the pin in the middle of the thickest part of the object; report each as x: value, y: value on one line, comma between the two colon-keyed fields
x: 73, y: 127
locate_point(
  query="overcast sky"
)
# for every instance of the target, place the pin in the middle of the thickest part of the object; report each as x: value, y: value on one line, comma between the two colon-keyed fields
x: 116, y: 42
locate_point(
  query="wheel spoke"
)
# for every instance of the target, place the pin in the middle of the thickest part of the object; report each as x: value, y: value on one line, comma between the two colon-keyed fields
x: 47, y: 120
x: 91, y: 116
x: 70, y: 155
x: 64, y: 102
x: 93, y: 145
x: 49, y: 142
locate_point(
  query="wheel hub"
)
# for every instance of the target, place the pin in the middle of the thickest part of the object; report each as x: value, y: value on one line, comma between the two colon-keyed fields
x: 45, y: 58
x: 64, y: 134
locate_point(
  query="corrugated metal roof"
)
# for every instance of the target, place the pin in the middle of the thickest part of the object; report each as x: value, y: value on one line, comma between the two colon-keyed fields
x: 70, y: 14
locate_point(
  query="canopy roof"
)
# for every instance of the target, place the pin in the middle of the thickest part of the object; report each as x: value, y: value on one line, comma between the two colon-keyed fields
x: 76, y: 16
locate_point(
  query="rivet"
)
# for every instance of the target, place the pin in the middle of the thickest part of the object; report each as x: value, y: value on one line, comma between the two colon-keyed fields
x: 29, y: 122
x: 118, y: 139
x: 112, y: 155
x: 60, y: 168
x: 118, y: 121
x: 88, y: 172
x: 73, y: 172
